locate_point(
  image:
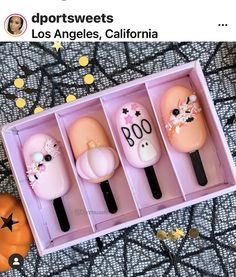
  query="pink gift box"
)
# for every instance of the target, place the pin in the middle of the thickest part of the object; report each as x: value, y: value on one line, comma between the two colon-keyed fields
x: 84, y: 203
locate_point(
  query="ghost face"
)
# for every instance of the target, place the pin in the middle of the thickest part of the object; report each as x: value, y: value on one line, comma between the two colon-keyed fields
x: 146, y: 150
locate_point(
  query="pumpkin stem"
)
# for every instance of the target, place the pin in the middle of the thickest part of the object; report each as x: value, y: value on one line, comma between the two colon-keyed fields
x: 92, y: 144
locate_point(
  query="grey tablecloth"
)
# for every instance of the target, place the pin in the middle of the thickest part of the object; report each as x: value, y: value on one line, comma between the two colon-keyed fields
x: 134, y: 251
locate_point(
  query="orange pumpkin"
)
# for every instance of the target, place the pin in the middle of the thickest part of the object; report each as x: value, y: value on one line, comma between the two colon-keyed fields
x: 15, y: 234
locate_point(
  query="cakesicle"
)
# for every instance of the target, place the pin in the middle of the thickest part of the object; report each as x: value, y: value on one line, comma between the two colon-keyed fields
x: 96, y: 161
x: 185, y: 125
x: 46, y: 172
x: 139, y: 141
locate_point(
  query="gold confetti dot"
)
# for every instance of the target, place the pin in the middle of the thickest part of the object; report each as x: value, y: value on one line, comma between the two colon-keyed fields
x: 193, y: 233
x: 84, y: 60
x: 20, y: 102
x: 19, y: 83
x: 88, y: 79
x: 161, y: 235
x: 70, y: 98
x: 38, y: 109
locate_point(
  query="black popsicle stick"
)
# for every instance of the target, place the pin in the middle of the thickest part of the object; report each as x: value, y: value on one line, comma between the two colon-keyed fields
x: 61, y: 214
x: 108, y: 196
x: 99, y: 243
x: 153, y: 182
x: 198, y: 168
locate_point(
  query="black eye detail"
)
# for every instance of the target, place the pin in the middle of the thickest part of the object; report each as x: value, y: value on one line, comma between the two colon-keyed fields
x: 143, y: 145
x: 175, y: 112
x: 146, y: 143
x: 48, y: 158
x: 55, y: 145
x: 190, y: 119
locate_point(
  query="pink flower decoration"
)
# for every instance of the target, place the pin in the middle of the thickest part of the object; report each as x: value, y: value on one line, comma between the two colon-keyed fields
x: 128, y: 119
x: 42, y: 167
x: 134, y: 106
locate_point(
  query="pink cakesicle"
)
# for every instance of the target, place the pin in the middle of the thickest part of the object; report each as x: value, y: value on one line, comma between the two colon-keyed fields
x: 139, y: 141
x: 47, y: 173
x: 185, y: 125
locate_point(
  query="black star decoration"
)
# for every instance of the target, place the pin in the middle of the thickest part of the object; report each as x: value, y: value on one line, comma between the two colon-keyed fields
x: 8, y: 222
x: 137, y: 113
x: 125, y: 111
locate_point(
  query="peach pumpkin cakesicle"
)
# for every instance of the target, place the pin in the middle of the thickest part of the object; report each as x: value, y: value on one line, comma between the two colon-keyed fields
x: 96, y: 160
x: 185, y: 125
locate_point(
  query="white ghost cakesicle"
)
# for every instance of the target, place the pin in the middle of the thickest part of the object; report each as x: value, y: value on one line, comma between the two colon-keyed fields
x: 137, y: 135
x: 139, y: 141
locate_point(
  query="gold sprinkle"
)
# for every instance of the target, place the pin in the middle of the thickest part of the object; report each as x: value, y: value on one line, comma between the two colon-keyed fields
x: 179, y: 232
x: 88, y: 79
x: 19, y: 83
x: 70, y: 98
x: 38, y: 109
x: 20, y: 102
x: 172, y: 236
x: 84, y: 60
x: 193, y: 233
x: 161, y: 235
x: 57, y: 45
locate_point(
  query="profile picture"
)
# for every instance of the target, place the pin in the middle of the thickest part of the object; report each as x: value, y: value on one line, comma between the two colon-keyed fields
x: 15, y: 25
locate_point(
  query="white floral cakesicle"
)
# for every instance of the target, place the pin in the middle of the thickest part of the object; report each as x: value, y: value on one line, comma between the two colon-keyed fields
x: 38, y: 164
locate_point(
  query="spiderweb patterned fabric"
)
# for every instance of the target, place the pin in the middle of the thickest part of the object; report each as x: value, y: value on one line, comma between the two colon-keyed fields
x: 135, y: 251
